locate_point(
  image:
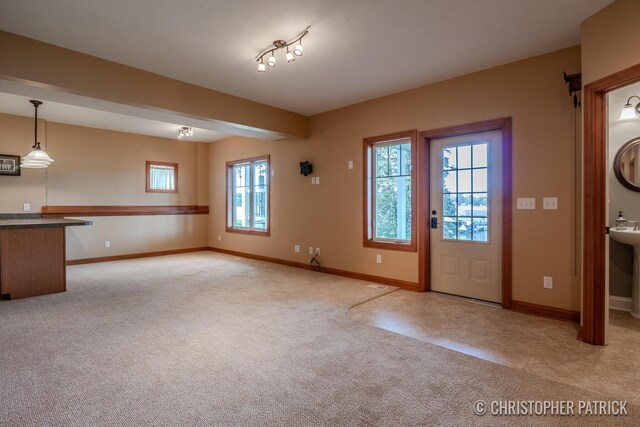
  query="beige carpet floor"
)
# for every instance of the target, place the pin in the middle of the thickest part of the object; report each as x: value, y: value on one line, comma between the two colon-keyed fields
x: 209, y: 339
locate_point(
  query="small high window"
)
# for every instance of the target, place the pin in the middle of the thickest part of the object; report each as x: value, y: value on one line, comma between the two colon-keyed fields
x: 248, y: 196
x: 389, y: 193
x: 162, y: 177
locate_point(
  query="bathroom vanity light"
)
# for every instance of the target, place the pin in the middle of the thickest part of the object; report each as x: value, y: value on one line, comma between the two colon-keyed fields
x: 630, y: 111
x: 37, y: 158
x: 290, y: 56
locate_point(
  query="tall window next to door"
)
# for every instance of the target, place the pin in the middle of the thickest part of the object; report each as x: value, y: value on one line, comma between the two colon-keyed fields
x: 248, y: 196
x: 389, y: 191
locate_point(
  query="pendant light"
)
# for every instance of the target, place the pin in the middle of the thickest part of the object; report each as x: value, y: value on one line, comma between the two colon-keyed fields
x: 37, y: 158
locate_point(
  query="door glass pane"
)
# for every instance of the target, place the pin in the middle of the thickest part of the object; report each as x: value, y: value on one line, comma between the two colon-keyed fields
x: 449, y: 179
x: 464, y: 181
x: 449, y: 158
x: 449, y: 204
x: 464, y: 157
x: 479, y: 180
x: 480, y: 204
x: 480, y: 229
x: 449, y: 227
x: 464, y: 204
x: 465, y: 193
x: 480, y: 155
x: 464, y: 228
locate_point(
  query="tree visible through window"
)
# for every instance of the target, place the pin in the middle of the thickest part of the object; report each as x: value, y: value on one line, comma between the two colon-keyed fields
x: 390, y: 178
x: 248, y: 195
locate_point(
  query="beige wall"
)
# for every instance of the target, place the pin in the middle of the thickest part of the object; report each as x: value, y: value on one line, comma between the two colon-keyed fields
x: 99, y: 167
x: 329, y: 215
x: 610, y: 40
x: 43, y: 65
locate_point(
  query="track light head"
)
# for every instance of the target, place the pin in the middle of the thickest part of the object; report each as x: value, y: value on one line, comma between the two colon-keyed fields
x: 297, y: 51
x: 271, y: 62
x: 289, y: 56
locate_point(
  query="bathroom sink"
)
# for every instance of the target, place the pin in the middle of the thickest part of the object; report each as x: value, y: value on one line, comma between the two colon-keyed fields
x: 626, y: 236
x: 632, y: 238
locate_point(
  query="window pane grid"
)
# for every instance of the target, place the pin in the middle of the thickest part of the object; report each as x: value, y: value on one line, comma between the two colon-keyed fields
x: 392, y: 192
x: 249, y: 195
x: 465, y: 193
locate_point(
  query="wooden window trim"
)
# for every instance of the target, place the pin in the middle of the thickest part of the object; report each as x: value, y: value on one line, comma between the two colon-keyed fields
x: 367, y: 189
x: 148, y: 165
x: 228, y: 217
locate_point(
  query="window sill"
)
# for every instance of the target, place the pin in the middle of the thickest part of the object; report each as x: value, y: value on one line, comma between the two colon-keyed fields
x: 392, y: 246
x: 265, y: 233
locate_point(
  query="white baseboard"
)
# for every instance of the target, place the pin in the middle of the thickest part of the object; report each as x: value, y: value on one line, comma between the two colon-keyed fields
x: 619, y: 303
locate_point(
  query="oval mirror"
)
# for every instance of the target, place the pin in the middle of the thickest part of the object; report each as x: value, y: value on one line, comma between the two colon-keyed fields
x: 626, y: 164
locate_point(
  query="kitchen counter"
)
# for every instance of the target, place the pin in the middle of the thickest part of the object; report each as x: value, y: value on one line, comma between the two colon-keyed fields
x: 40, y: 222
x: 33, y: 255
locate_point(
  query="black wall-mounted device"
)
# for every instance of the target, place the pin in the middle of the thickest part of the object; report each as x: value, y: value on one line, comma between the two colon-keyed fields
x: 306, y: 168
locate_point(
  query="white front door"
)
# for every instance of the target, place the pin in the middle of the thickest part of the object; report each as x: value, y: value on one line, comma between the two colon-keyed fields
x: 466, y: 209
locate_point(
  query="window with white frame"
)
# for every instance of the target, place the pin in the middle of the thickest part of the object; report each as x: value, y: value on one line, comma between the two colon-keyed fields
x: 389, y: 191
x: 248, y: 195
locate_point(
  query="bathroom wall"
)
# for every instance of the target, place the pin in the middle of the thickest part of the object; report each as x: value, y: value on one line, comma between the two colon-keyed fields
x: 621, y: 198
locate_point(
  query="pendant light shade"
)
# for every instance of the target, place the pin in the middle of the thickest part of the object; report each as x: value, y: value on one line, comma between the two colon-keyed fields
x: 37, y: 158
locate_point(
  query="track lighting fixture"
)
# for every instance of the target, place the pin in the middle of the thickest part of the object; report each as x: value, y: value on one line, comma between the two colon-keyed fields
x: 37, y: 158
x: 296, y: 42
x: 630, y: 111
x: 185, y: 131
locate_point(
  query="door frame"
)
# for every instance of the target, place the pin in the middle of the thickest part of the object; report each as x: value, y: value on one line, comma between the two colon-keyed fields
x: 424, y: 149
x: 594, y: 215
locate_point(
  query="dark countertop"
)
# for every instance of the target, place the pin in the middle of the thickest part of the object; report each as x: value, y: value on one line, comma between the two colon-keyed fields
x: 41, y: 222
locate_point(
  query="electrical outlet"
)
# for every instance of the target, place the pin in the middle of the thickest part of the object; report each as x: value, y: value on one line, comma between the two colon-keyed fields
x: 219, y: 237
x: 26, y: 207
x: 550, y: 203
x: 107, y: 243
x: 379, y: 259
x: 273, y: 172
x: 548, y: 282
x: 350, y: 164
x: 526, y: 203
x: 296, y: 248
x: 310, y: 250
x: 318, y: 180
x: 318, y: 251
x: 313, y: 180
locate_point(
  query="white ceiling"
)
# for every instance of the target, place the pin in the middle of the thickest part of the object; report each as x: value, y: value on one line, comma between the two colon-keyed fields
x: 356, y: 49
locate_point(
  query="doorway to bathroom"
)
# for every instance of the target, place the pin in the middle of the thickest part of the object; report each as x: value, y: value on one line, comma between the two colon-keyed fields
x: 595, y: 292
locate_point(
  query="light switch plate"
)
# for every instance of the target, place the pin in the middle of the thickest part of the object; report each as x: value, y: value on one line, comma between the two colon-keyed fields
x: 310, y: 250
x: 548, y: 282
x: 350, y: 164
x: 317, y: 180
x: 26, y: 207
x: 296, y: 248
x: 526, y: 203
x: 379, y: 259
x: 107, y: 243
x: 550, y: 203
